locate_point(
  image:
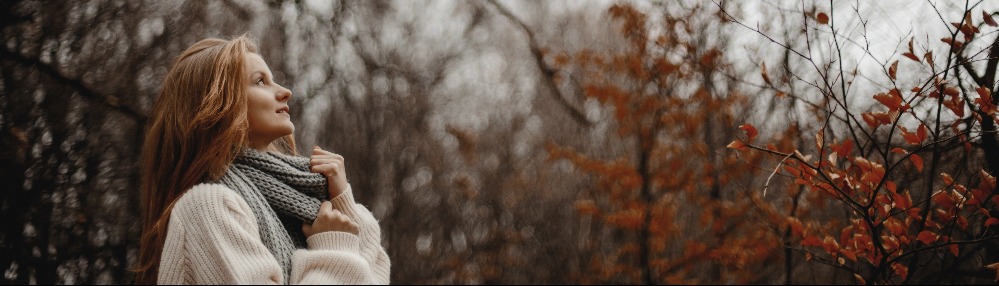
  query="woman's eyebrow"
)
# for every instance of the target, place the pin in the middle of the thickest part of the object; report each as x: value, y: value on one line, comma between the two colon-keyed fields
x: 255, y: 73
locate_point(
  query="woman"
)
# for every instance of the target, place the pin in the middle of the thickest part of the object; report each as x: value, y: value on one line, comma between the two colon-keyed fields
x: 226, y: 200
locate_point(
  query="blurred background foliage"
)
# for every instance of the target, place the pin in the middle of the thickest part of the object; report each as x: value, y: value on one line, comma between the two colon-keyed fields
x: 498, y: 142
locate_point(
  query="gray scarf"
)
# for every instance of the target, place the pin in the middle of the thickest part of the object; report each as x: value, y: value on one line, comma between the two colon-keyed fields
x: 282, y: 194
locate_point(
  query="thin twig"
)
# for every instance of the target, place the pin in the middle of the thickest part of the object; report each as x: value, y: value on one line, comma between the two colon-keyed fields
x: 777, y: 169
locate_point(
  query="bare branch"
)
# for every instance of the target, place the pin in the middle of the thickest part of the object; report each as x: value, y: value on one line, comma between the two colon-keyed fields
x: 109, y: 100
x: 549, y: 73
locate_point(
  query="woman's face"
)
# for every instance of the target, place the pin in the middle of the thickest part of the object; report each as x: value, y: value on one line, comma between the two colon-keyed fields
x: 266, y: 104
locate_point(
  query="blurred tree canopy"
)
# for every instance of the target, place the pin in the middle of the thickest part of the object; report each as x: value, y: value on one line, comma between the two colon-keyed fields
x: 556, y: 142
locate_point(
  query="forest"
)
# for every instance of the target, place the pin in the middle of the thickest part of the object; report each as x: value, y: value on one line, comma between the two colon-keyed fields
x: 546, y: 142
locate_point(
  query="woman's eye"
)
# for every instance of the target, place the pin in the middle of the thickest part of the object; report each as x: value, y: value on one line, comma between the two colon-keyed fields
x: 260, y: 81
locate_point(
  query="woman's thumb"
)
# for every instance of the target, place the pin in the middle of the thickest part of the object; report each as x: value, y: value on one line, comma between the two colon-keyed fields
x: 307, y: 228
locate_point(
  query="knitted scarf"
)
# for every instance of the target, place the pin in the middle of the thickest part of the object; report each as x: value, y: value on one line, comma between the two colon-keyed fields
x: 282, y: 194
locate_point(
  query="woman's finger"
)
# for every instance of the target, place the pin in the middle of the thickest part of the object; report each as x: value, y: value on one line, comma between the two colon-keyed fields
x: 320, y: 152
x: 326, y: 170
x: 320, y: 161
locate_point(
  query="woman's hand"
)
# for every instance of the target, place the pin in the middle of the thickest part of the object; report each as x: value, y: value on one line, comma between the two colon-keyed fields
x: 330, y: 165
x: 329, y: 219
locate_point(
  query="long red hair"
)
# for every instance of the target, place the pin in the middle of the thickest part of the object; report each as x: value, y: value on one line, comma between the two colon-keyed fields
x: 197, y: 127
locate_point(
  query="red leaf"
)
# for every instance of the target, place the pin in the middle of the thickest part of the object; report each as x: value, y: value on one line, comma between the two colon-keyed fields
x: 750, y: 131
x: 994, y: 267
x: 955, y: 104
x: 820, y: 141
x: 927, y: 237
x: 900, y: 269
x: 811, y: 240
x: 917, y: 161
x: 893, y: 100
x: 822, y: 18
x: 914, y: 138
x: 902, y: 202
x: 892, y: 70
x: 954, y: 249
x: 991, y: 22
x: 870, y: 119
x: 955, y: 44
x: 943, y: 199
x: 848, y: 254
x: 952, y: 90
x: 991, y: 221
x: 843, y: 149
x: 860, y: 280
x: 947, y: 178
x: 986, y: 182
x: 911, y: 56
x: 737, y: 145
x: 894, y: 226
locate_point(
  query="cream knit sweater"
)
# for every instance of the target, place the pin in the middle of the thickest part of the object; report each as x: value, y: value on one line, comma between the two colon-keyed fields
x: 213, y: 239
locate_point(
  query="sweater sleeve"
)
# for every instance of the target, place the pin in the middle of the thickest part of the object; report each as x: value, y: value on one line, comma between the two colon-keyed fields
x: 370, y: 235
x: 213, y: 239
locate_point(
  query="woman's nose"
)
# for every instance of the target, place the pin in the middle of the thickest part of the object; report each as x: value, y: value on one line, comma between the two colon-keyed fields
x: 283, y: 94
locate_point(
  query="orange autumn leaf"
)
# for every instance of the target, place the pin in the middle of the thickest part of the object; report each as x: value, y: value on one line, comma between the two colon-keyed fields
x: 811, y: 240
x: 751, y: 131
x: 822, y: 18
x: 994, y: 267
x: 830, y: 244
x: 894, y: 226
x: 947, y: 178
x: 902, y: 201
x: 893, y: 70
x: 849, y: 254
x: 914, y: 138
x: 954, y: 249
x: 871, y: 120
x: 951, y: 90
x: 927, y: 237
x: 955, y: 104
x: 892, y: 100
x: 991, y: 22
x: 737, y: 145
x: 900, y: 269
x: 955, y: 44
x: 911, y: 53
x: 986, y: 181
x: 917, y: 161
x: 944, y: 200
x: 843, y: 149
x: 860, y: 280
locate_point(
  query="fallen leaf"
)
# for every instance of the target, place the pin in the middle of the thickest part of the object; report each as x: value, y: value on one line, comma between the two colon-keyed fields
x: 822, y: 18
